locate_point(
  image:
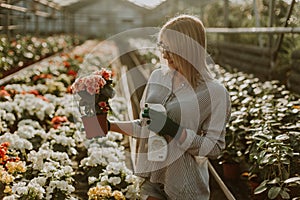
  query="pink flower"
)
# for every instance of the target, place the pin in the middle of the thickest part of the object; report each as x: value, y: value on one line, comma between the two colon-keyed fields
x: 93, y: 84
x: 102, y: 82
x: 91, y: 90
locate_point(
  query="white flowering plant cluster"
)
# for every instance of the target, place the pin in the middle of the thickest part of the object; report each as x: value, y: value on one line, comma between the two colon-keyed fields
x: 40, y: 121
x: 49, y: 176
x: 107, y: 169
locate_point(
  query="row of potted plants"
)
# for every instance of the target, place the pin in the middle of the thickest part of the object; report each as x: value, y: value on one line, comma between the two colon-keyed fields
x: 41, y: 123
x: 25, y: 50
x: 263, y: 134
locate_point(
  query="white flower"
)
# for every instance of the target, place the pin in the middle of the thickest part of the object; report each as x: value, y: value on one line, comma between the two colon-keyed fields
x: 104, y: 179
x: 7, y: 106
x: 30, y: 122
x: 118, y: 168
x: 114, y: 180
x: 92, y: 180
x: 130, y: 178
x: 50, y: 167
x: 67, y: 170
x: 26, y: 131
x: 20, y: 188
x: 11, y: 197
x: 10, y: 118
x: 131, y: 192
x: 16, y: 142
x: 39, y: 181
x: 114, y: 136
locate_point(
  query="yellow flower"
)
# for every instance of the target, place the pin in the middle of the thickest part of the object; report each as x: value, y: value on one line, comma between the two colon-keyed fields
x: 99, y: 192
x: 5, y: 177
x: 7, y: 189
x: 21, y: 166
x: 13, y: 167
x: 118, y: 195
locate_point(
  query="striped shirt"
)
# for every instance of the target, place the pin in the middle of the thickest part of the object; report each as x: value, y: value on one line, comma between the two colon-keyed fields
x: 203, y: 112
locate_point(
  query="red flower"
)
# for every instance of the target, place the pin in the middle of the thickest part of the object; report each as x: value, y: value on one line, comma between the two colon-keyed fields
x: 106, y: 75
x: 57, y: 120
x: 102, y: 104
x: 72, y: 73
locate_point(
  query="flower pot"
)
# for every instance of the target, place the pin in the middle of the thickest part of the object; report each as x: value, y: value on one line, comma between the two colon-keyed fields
x: 231, y: 171
x: 95, y: 126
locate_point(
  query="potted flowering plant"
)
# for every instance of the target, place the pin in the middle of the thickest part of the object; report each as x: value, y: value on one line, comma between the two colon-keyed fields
x: 94, y: 90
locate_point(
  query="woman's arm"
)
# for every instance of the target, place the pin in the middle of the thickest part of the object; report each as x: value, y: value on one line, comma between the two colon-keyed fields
x: 130, y: 128
x: 211, y: 139
x: 124, y: 127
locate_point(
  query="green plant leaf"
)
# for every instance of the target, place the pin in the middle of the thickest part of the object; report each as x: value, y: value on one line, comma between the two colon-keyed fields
x: 261, y: 188
x: 284, y: 194
x: 274, y: 192
x: 285, y: 173
x: 274, y: 181
x: 263, y: 137
x: 291, y: 180
x: 282, y: 137
x: 267, y: 159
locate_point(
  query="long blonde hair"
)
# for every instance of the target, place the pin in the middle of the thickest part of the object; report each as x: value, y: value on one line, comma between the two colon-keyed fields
x: 185, y: 39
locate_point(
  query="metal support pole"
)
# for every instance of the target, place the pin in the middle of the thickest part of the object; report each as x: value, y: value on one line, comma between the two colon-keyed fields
x: 34, y: 6
x: 8, y: 12
x: 226, y: 13
x: 24, y: 18
x: 257, y: 20
x: 271, y: 21
x: 63, y: 12
x: 280, y: 39
x: 53, y: 18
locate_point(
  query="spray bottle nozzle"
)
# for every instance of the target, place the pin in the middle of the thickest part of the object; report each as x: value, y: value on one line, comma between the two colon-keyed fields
x: 145, y: 113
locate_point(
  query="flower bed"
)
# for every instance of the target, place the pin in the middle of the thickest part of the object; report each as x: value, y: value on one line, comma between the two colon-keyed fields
x: 263, y: 133
x: 25, y: 50
x: 40, y: 122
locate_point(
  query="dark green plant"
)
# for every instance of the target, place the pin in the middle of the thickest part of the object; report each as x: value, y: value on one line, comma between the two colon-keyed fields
x: 271, y: 158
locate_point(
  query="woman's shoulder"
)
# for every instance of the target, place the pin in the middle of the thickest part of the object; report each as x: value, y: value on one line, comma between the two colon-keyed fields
x: 214, y: 88
x: 159, y: 73
x: 216, y: 85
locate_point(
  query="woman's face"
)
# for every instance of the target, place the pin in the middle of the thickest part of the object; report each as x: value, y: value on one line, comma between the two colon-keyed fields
x: 166, y: 54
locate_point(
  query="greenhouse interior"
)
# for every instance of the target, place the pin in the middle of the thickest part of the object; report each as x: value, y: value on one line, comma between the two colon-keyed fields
x: 103, y: 99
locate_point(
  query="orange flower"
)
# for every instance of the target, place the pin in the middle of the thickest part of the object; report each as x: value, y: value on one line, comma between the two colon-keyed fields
x: 296, y: 107
x: 57, y: 120
x: 79, y: 58
x: 35, y: 92
x: 66, y: 64
x: 69, y: 89
x: 3, y: 150
x: 42, y: 97
x: 4, y: 93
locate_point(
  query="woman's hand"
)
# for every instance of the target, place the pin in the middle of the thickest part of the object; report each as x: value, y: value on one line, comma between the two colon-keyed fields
x: 161, y: 124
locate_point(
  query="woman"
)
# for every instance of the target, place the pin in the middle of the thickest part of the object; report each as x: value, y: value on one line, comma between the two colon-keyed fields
x: 197, y: 108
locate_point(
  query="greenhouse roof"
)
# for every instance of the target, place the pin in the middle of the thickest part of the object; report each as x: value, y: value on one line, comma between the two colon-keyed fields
x: 142, y: 3
x: 65, y: 2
